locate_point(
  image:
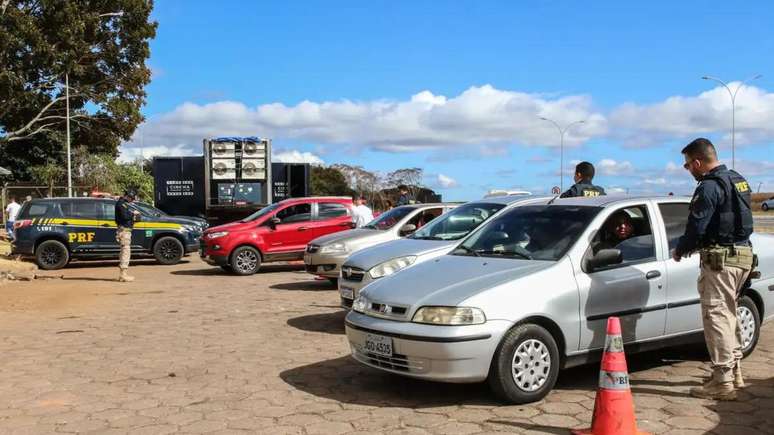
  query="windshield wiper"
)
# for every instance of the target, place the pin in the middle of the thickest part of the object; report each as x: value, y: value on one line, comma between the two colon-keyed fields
x: 505, y: 253
x: 469, y: 251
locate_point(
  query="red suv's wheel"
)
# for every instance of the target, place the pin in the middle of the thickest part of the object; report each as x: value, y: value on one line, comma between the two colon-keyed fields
x: 245, y: 260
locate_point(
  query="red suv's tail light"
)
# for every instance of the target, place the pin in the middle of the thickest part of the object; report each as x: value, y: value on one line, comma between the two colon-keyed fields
x: 22, y: 223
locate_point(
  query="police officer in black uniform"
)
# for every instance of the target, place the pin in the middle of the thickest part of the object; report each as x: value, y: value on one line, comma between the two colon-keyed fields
x: 584, y: 174
x: 125, y: 217
x: 719, y: 227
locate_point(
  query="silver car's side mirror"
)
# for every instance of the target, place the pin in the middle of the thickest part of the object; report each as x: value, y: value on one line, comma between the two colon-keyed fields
x: 604, y: 258
x: 407, y: 229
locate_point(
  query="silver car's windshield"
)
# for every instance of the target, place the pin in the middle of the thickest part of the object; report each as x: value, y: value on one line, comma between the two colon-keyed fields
x: 536, y: 232
x: 389, y: 219
x: 261, y: 212
x: 458, y: 222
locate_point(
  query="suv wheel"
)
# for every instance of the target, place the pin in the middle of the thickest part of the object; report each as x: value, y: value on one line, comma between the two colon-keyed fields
x: 765, y: 207
x: 51, y: 255
x: 525, y: 366
x: 245, y: 260
x: 168, y: 250
x: 749, y: 323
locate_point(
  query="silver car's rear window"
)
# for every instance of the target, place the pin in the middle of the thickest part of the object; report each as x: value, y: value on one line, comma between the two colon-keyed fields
x: 535, y: 232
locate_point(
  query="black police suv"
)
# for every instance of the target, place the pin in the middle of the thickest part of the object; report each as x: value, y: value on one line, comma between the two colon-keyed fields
x: 56, y: 230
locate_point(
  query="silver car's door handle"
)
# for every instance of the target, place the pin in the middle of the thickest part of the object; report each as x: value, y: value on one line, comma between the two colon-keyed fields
x: 652, y: 274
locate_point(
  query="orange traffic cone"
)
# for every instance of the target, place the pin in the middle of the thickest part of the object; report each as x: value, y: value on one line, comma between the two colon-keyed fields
x: 613, y: 407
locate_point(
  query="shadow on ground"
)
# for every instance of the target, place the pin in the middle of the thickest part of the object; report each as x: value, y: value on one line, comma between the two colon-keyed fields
x: 315, y: 285
x: 81, y: 264
x: 344, y: 379
x: 215, y: 270
x: 328, y: 323
x: 753, y: 410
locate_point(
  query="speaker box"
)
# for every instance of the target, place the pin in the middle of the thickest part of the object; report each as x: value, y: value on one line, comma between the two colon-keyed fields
x: 223, y: 169
x: 254, y: 149
x: 253, y: 169
x: 223, y: 150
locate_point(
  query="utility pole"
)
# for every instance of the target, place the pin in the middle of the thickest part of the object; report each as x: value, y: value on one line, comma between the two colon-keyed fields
x: 562, y: 131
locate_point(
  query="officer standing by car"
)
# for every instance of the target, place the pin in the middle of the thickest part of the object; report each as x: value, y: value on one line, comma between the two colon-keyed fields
x: 125, y: 218
x: 719, y: 227
x: 584, y: 175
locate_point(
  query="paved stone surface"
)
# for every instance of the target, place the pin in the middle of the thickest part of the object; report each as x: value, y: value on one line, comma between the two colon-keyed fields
x: 187, y: 349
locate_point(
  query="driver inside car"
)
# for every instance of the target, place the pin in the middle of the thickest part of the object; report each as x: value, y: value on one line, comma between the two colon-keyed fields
x: 616, y: 230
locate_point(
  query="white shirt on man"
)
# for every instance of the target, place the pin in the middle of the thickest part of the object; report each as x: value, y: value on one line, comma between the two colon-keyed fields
x: 362, y: 215
x: 13, y: 210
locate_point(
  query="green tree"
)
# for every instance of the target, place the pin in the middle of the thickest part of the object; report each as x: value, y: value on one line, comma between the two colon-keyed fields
x: 101, y: 45
x: 50, y: 174
x: 130, y: 175
x: 328, y: 181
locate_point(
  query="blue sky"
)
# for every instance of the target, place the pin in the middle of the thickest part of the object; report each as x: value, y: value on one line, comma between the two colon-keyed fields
x: 457, y: 87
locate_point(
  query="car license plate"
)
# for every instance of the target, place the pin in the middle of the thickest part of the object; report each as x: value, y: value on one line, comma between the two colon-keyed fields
x: 347, y: 293
x: 378, y: 344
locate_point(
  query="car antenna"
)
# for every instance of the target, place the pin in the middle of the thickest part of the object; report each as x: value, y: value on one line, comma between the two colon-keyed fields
x: 552, y: 200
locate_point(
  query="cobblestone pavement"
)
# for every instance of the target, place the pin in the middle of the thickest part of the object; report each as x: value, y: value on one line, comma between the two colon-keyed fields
x: 188, y: 349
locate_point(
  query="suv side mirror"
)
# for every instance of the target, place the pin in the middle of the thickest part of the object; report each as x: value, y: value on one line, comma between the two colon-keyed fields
x: 603, y: 258
x: 407, y: 229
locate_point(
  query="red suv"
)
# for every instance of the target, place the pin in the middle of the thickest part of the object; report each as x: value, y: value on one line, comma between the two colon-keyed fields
x: 278, y: 232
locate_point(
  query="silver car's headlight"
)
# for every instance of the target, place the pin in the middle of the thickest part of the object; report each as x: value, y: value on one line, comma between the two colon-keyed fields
x: 334, y: 248
x: 449, y: 316
x: 392, y: 266
x: 360, y: 304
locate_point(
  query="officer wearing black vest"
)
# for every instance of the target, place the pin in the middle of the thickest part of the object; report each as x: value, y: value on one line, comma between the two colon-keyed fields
x: 584, y: 174
x: 719, y: 227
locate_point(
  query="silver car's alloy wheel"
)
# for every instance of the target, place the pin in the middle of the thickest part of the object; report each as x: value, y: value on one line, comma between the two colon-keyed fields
x: 246, y: 261
x: 531, y: 365
x: 747, y: 324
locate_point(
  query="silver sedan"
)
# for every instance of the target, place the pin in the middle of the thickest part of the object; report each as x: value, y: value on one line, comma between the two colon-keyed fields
x: 530, y: 291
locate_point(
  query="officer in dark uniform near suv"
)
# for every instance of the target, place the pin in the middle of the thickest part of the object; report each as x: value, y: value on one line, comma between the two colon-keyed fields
x: 584, y: 175
x: 125, y: 217
x: 719, y: 227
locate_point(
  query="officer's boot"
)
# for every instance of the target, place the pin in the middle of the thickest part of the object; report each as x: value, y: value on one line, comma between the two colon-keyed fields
x: 738, y: 379
x: 715, y: 388
x: 124, y: 276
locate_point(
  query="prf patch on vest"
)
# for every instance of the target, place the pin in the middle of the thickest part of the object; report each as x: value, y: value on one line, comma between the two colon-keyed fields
x: 742, y: 186
x: 590, y: 193
x: 81, y: 237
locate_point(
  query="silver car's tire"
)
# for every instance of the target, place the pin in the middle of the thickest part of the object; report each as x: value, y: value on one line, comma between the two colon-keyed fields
x: 765, y: 207
x: 526, y: 364
x: 749, y: 324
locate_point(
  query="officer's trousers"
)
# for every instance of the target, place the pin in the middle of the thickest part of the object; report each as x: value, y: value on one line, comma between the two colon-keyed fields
x: 718, y: 291
x: 124, y: 239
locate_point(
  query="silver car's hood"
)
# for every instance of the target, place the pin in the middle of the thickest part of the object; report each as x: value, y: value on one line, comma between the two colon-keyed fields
x: 449, y: 280
x: 344, y: 236
x: 369, y: 257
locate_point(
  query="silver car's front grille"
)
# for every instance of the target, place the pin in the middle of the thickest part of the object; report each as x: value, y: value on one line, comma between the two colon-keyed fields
x: 386, y: 311
x: 397, y: 362
x: 353, y: 274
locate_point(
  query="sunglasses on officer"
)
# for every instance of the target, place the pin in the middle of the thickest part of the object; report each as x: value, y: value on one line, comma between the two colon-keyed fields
x: 688, y: 163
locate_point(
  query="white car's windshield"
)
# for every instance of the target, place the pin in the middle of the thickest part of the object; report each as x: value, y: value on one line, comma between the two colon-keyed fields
x: 389, y: 219
x: 458, y: 222
x: 538, y: 232
x: 261, y: 212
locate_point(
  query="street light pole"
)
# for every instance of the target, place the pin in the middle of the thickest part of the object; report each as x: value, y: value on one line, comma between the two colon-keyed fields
x: 562, y: 131
x: 733, y: 110
x: 69, y: 164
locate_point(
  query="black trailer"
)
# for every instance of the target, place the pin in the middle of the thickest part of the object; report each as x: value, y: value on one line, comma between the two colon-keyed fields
x: 179, y: 185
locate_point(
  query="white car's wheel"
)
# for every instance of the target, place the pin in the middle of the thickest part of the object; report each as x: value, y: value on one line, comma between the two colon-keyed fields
x: 525, y: 365
x: 749, y: 324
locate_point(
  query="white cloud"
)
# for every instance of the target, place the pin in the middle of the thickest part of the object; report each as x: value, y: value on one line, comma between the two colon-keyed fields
x: 680, y: 117
x: 611, y: 167
x: 130, y: 154
x: 446, y: 182
x: 295, y: 156
x: 480, y: 116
